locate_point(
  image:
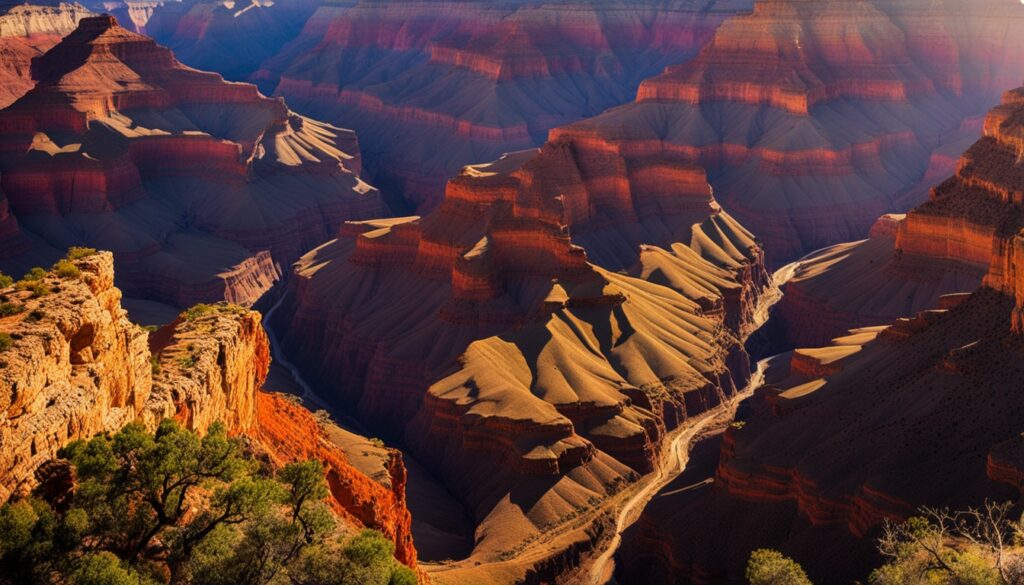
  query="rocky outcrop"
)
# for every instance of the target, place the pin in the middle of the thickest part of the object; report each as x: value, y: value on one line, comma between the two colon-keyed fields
x: 922, y: 412
x: 202, y: 188
x: 814, y: 118
x: 494, y: 336
x: 73, y: 365
x: 27, y: 31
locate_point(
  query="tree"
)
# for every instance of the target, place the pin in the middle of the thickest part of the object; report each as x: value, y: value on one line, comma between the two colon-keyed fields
x: 176, y: 508
x: 970, y: 547
x: 770, y: 567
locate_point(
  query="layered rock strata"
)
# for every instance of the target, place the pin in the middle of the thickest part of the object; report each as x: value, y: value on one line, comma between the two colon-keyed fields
x: 924, y: 411
x: 512, y: 360
x: 815, y: 117
x: 432, y: 86
x: 26, y: 32
x: 203, y: 189
x: 942, y: 247
x: 76, y: 366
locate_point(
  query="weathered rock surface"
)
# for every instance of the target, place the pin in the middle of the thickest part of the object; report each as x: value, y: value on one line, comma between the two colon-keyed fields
x: 490, y: 338
x: 203, y: 189
x: 925, y: 411
x: 815, y: 117
x: 27, y: 31
x: 77, y: 367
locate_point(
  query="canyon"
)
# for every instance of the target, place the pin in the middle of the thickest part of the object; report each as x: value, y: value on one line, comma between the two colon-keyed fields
x: 432, y: 86
x: 496, y: 340
x: 843, y: 436
x: 204, y: 189
x: 75, y: 366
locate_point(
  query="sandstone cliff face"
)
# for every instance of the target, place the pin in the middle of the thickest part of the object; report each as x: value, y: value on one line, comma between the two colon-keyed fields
x: 27, y: 31
x: 490, y: 336
x: 77, y: 367
x: 844, y: 436
x: 204, y: 189
x: 814, y: 118
x: 432, y: 86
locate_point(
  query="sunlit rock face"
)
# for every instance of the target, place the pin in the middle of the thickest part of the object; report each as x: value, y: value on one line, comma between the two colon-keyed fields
x: 844, y: 436
x: 815, y: 118
x: 203, y: 189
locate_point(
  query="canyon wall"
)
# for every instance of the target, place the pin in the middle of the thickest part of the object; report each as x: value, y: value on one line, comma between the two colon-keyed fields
x: 76, y: 366
x: 944, y: 246
x: 204, y: 189
x: 924, y: 411
x: 27, y: 31
x: 814, y: 118
x: 432, y: 86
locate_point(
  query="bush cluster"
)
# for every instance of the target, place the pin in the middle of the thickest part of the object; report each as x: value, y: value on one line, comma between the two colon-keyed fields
x: 176, y: 508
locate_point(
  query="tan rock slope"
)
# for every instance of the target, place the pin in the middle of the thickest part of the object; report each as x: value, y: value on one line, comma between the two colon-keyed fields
x: 923, y: 412
x: 76, y: 366
x: 815, y: 117
x: 27, y: 31
x: 203, y: 189
x: 488, y: 336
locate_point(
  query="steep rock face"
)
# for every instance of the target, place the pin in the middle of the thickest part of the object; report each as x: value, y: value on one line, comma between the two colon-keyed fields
x: 289, y: 432
x: 514, y: 362
x: 77, y: 367
x: 27, y: 31
x: 815, y: 117
x: 942, y: 247
x: 432, y: 86
x: 202, y: 188
x: 844, y: 436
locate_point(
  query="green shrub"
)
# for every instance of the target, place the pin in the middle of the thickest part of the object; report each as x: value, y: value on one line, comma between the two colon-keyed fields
x: 6, y: 341
x: 770, y: 567
x: 66, y: 269
x: 8, y: 309
x: 125, y: 522
x: 198, y: 311
x: 5, y: 281
x: 34, y: 274
x: 38, y: 288
x: 154, y: 364
x: 187, y: 362
x: 77, y: 252
x: 35, y: 315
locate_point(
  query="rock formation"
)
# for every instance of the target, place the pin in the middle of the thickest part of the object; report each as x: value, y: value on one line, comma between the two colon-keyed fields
x: 431, y: 86
x: 815, y: 117
x: 231, y: 38
x: 27, y: 31
x: 494, y: 336
x: 203, y: 189
x: 925, y: 411
x: 74, y: 366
